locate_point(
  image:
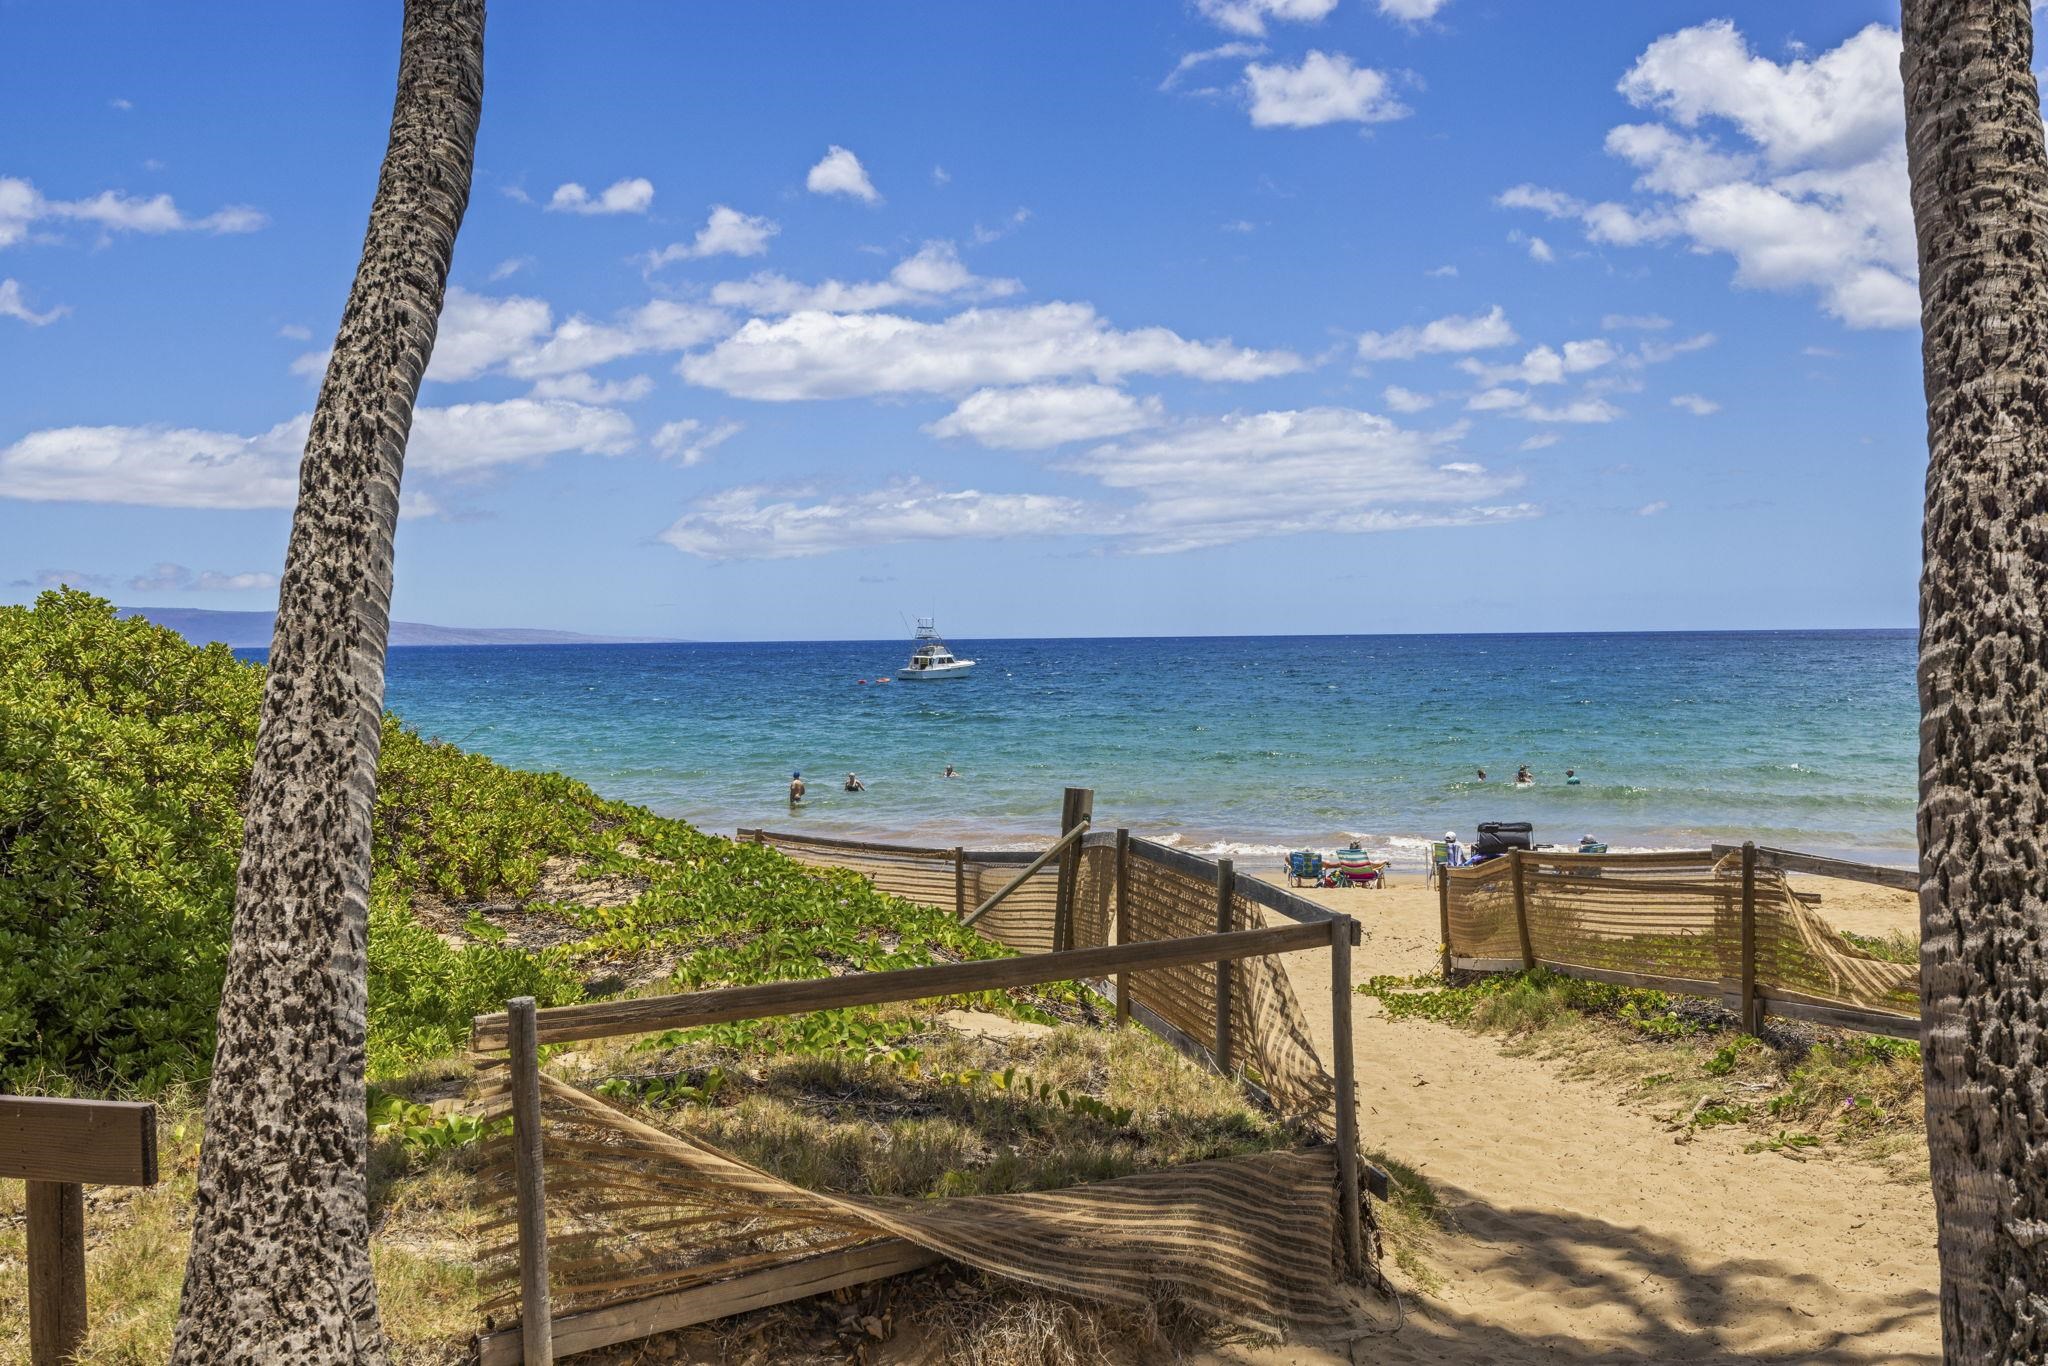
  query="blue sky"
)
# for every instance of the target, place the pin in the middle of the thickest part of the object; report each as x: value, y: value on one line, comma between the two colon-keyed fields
x: 780, y: 320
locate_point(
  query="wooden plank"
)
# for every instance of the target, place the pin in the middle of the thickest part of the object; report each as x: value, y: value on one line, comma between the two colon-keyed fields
x: 536, y: 1315
x: 1748, y: 932
x: 635, y: 1319
x: 1035, y: 863
x: 1443, y: 916
x: 1344, y: 1068
x: 1077, y: 807
x: 56, y: 1271
x: 1226, y: 885
x: 1296, y: 908
x: 1521, y: 909
x: 1859, y: 1018
x: 93, y: 1142
x: 1790, y: 861
x: 959, y: 882
x: 1123, y: 921
x: 603, y: 1019
x: 832, y: 842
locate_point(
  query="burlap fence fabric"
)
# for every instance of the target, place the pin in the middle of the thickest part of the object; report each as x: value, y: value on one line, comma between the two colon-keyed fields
x: 634, y: 1211
x: 1172, y: 895
x: 1671, y: 916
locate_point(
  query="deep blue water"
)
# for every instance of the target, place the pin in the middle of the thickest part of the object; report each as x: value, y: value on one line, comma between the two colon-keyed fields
x: 1804, y: 740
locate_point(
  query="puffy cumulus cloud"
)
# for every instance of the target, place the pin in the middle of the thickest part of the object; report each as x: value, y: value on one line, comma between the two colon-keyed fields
x: 1406, y: 400
x: 691, y: 439
x: 22, y: 205
x: 1325, y: 88
x: 1200, y: 482
x: 1545, y: 365
x: 1249, y: 17
x: 1445, y: 336
x: 14, y: 305
x: 176, y: 578
x: 517, y: 336
x: 728, y: 232
x: 1583, y: 410
x: 758, y: 523
x: 1796, y: 170
x: 840, y: 172
x: 468, y: 438
x: 633, y: 195
x: 1035, y: 417
x: 180, y: 467
x: 1412, y: 11
x: 815, y: 354
x: 932, y: 275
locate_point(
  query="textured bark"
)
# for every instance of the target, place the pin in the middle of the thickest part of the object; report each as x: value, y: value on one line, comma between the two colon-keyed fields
x: 1980, y: 203
x: 280, y: 1265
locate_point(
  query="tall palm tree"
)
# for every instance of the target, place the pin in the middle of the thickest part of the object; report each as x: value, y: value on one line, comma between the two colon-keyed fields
x: 1980, y: 203
x: 280, y: 1263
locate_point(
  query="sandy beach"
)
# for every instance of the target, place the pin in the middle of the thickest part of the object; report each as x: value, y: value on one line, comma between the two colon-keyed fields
x: 1584, y: 1232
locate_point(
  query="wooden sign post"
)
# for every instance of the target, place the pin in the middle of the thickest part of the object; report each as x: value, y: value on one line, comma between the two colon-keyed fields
x: 58, y: 1147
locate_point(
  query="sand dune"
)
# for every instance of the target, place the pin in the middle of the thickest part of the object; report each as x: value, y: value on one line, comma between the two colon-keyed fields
x: 1585, y: 1232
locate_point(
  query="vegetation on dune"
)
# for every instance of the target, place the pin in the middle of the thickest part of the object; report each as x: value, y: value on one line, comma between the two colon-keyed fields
x: 1799, y: 1088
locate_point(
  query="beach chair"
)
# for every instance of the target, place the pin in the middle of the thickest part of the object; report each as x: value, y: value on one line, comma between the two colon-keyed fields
x: 1304, y: 868
x: 1439, y: 855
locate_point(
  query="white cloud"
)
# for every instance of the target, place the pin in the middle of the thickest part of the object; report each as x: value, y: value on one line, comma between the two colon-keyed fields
x: 13, y: 305
x: 22, y: 205
x: 510, y: 267
x: 176, y: 578
x: 1200, y: 482
x: 580, y: 386
x: 1636, y: 322
x: 190, y: 468
x: 815, y: 354
x: 1038, y: 416
x: 1657, y: 352
x: 1543, y: 365
x: 690, y: 440
x: 633, y: 195
x: 941, y: 176
x: 1406, y: 400
x: 1578, y: 410
x: 479, y: 332
x: 1540, y: 441
x: 1190, y: 60
x: 1652, y: 509
x: 294, y: 332
x: 1808, y: 190
x: 517, y: 336
x: 932, y: 275
x: 840, y: 172
x: 1412, y: 11
x: 124, y: 105
x: 1442, y: 272
x: 1249, y: 16
x: 1449, y: 335
x: 1540, y: 250
x: 728, y: 232
x: 758, y: 523
x: 1325, y: 88
x: 1696, y: 404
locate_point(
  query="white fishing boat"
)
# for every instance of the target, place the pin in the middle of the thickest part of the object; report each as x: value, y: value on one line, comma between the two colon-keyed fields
x: 932, y: 660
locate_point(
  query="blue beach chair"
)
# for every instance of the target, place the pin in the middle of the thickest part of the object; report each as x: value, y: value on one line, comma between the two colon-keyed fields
x: 1304, y: 868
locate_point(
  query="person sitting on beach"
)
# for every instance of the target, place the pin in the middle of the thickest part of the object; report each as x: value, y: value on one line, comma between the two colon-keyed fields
x: 1454, y: 853
x: 854, y: 784
x: 949, y: 773
x: 796, y: 788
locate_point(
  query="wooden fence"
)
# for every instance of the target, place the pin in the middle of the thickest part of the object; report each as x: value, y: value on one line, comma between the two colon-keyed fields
x: 1721, y: 923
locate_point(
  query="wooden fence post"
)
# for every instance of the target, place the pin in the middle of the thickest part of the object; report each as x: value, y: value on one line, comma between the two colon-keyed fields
x: 56, y: 1271
x: 536, y: 1314
x: 959, y: 882
x: 1078, y: 806
x: 1521, y: 910
x: 1345, y: 1069
x: 1443, y: 914
x: 1123, y: 921
x: 1750, y: 1020
x: 1226, y: 888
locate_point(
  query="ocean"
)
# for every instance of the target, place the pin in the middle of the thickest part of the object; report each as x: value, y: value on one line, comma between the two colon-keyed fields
x: 1239, y: 745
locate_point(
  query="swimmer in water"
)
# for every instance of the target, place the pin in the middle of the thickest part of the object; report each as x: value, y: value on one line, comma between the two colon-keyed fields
x: 949, y: 773
x: 1522, y: 775
x: 1571, y: 777
x: 1482, y: 775
x: 854, y: 784
x: 796, y: 788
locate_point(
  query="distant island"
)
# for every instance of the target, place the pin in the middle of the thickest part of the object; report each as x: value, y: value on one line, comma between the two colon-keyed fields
x: 251, y: 630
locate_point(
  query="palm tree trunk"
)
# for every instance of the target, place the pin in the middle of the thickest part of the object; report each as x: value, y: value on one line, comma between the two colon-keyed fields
x: 280, y: 1261
x: 1980, y: 202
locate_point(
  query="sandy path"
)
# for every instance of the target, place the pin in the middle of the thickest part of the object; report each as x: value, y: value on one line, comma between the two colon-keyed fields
x: 1585, y: 1232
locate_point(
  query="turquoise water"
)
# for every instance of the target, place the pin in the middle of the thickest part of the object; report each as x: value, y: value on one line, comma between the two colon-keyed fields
x: 1244, y: 745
